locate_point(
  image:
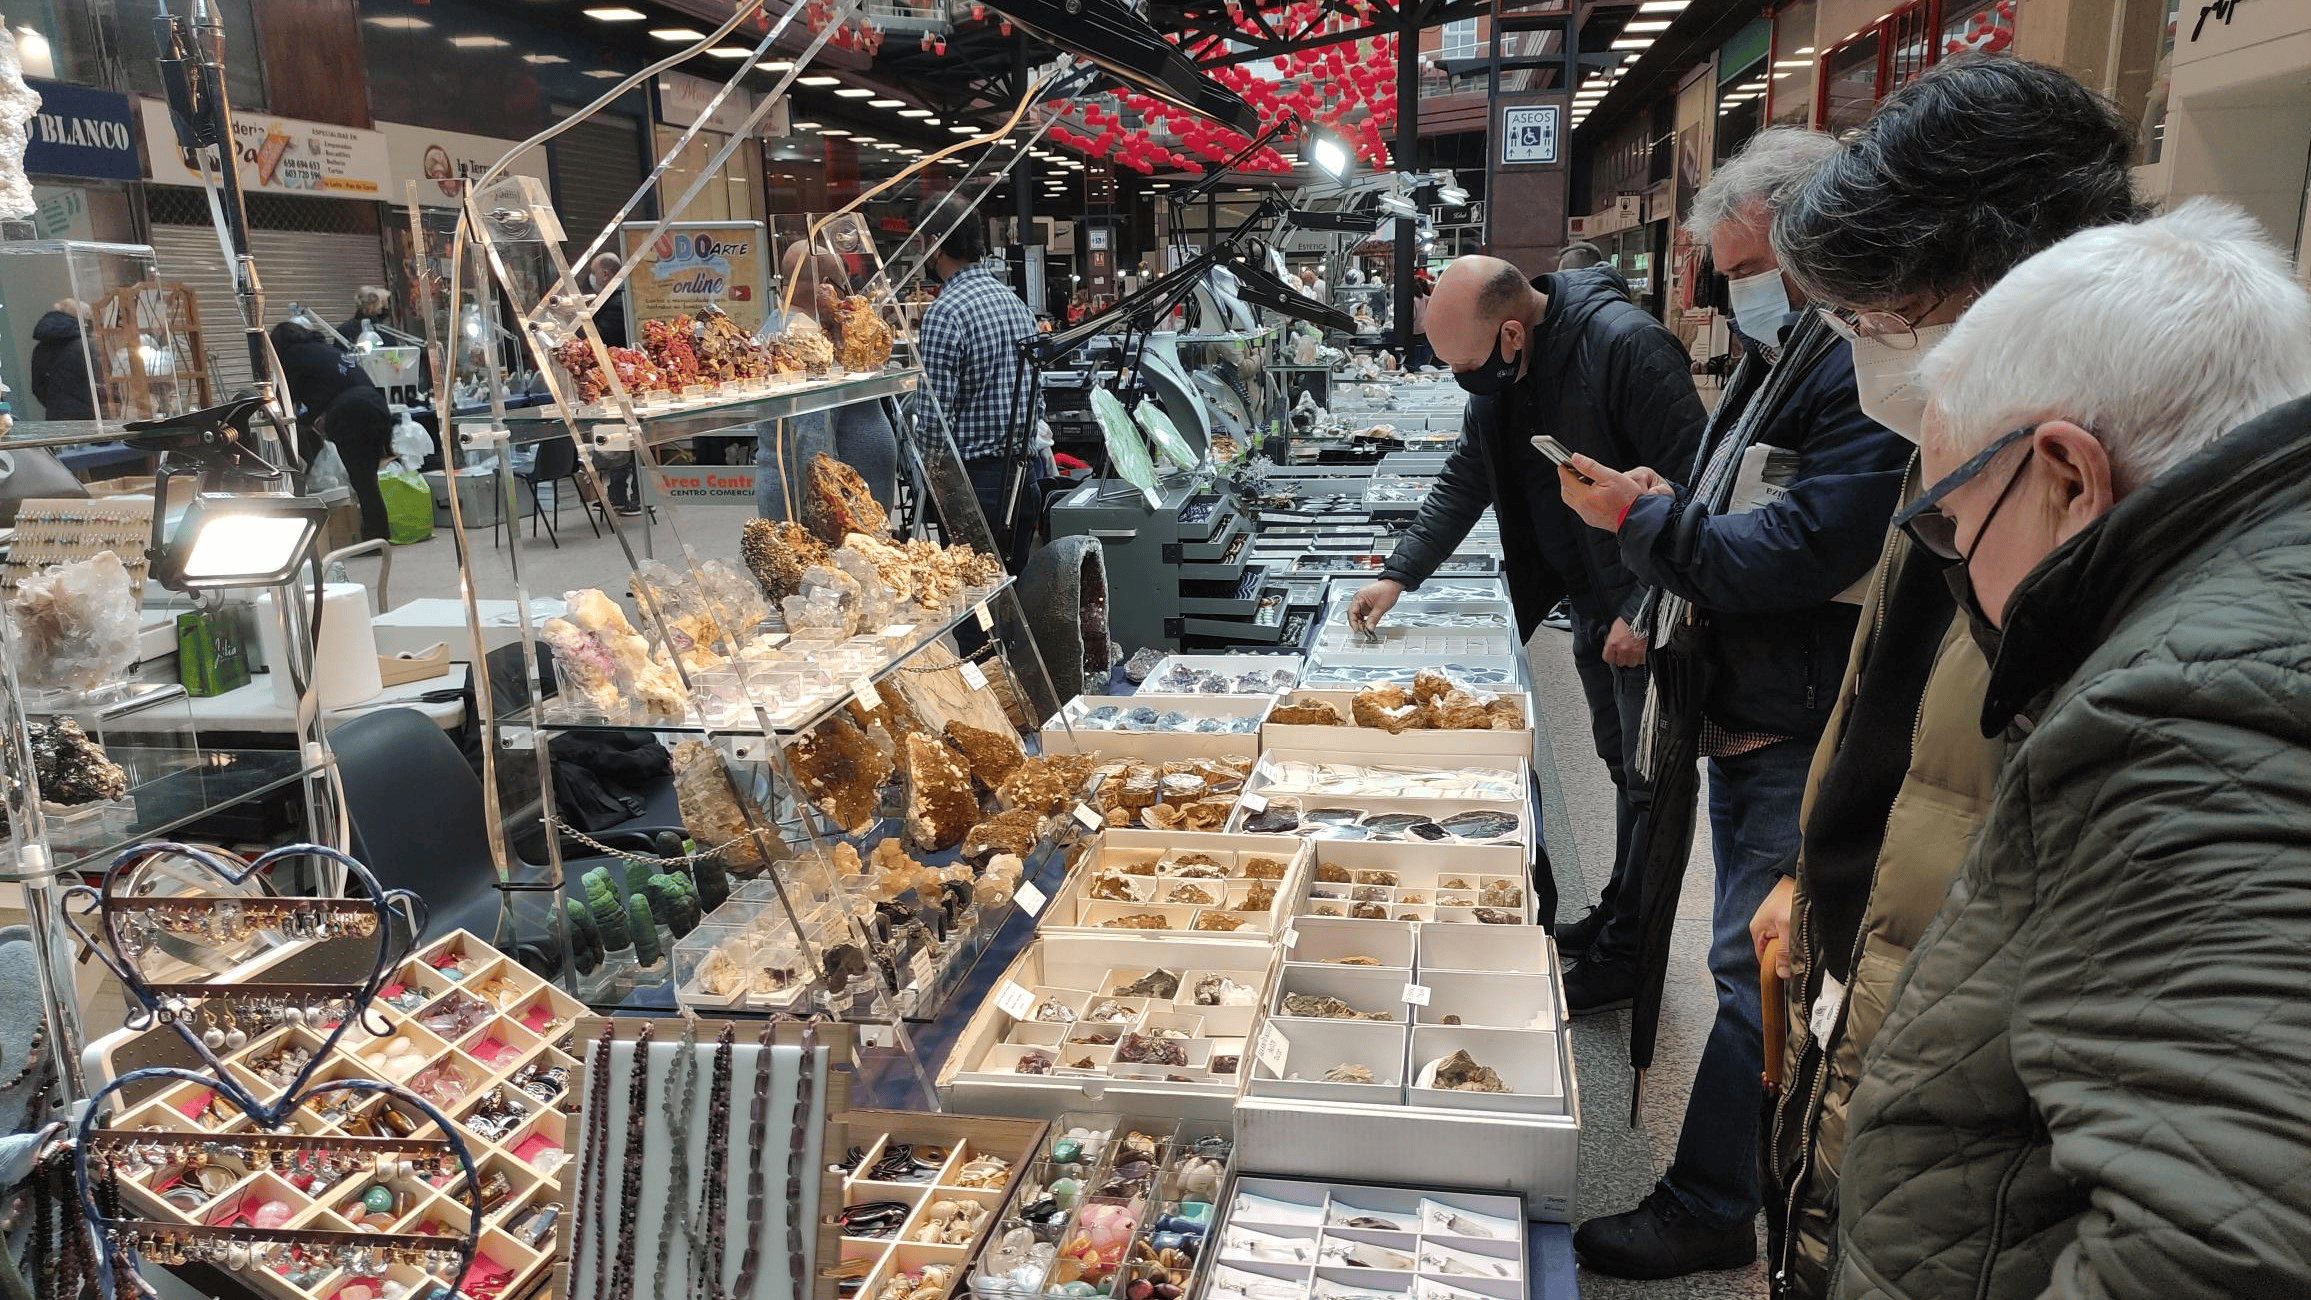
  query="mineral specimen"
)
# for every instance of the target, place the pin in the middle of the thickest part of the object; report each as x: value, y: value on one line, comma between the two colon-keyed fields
x: 1332, y: 873
x: 1144, y: 1049
x: 1495, y: 916
x: 72, y: 768
x: 1220, y: 991
x: 1323, y: 1006
x: 837, y: 502
x: 778, y: 552
x: 1138, y: 921
x: 716, y: 813
x: 1264, y: 868
x: 841, y: 771
x: 1501, y: 893
x: 1459, y: 1072
x: 940, y: 805
x: 1346, y: 1073
x: 1157, y: 983
x: 1219, y: 921
x: 992, y: 755
x: 866, y: 339
x: 1013, y: 832
x: 1307, y: 713
x: 1480, y: 824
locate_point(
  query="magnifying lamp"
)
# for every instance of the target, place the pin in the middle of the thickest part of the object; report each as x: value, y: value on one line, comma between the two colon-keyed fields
x: 238, y: 541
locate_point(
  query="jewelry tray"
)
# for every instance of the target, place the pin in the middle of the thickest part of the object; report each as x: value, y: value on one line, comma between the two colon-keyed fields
x: 526, y: 1005
x: 1016, y: 1140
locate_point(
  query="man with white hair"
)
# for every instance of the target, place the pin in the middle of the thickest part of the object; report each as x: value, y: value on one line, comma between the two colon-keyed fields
x: 1769, y: 532
x: 2094, y: 1076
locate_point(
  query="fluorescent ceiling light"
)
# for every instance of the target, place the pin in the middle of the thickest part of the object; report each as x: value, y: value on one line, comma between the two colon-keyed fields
x: 854, y: 92
x: 1634, y: 43
x: 1793, y: 63
x: 672, y: 34
x: 866, y: 139
x: 603, y: 74
x: 964, y: 130
x: 1646, y: 27
x: 817, y: 81
x: 1807, y: 50
x: 404, y: 22
x: 832, y: 130
x: 1662, y: 7
x: 805, y: 126
x: 727, y: 52
x: 775, y: 65
x: 477, y: 42
x: 542, y: 60
x: 616, y: 14
x: 886, y: 103
x: 914, y: 112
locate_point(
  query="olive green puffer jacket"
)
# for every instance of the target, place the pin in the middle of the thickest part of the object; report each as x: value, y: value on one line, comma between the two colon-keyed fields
x: 2095, y: 1077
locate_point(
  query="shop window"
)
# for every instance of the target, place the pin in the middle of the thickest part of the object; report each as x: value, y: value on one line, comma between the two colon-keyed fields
x: 734, y: 195
x: 1850, y: 83
x: 2146, y: 61
x: 1790, y: 102
x: 1458, y: 40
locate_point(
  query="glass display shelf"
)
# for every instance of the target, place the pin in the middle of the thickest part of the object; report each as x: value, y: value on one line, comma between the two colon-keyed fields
x: 740, y: 686
x: 168, y: 789
x: 678, y: 418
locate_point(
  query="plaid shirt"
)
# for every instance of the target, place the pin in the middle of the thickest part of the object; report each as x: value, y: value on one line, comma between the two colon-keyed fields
x: 969, y: 342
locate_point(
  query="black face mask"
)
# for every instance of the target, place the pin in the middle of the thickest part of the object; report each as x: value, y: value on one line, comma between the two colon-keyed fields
x: 1987, y: 635
x: 1491, y: 376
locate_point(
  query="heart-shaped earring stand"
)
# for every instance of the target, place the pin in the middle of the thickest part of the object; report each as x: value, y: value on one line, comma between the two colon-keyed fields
x: 370, y: 910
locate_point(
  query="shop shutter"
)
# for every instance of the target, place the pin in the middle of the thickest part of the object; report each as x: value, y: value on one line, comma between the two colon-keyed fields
x: 596, y: 164
x: 318, y: 268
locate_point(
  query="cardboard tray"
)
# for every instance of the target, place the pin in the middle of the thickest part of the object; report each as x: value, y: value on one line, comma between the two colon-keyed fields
x: 1158, y: 746
x: 1423, y: 743
x: 1072, y: 910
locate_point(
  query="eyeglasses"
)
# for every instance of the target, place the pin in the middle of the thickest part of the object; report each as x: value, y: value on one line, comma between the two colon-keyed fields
x: 1888, y: 327
x: 1924, y: 521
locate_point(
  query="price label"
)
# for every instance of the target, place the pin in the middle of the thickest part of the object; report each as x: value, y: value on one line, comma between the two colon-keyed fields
x: 1291, y: 938
x: 773, y: 640
x: 1272, y: 1049
x: 1014, y: 1001
x: 1416, y: 994
x: 1089, y: 816
x: 869, y: 699
x: 922, y: 968
x: 985, y: 616
x: 1253, y: 802
x: 972, y: 677
x: 1030, y: 898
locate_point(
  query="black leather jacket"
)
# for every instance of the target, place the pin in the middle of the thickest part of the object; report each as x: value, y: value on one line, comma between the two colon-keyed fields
x: 1608, y: 381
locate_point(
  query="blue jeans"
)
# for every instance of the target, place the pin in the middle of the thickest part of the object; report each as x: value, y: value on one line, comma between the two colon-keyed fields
x: 1753, y: 823
x: 1616, y: 699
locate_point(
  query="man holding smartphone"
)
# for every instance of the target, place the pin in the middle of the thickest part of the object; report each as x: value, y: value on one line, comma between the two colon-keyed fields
x: 1570, y: 356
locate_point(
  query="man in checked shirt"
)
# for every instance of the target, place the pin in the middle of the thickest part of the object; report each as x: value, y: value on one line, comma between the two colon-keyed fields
x: 972, y: 371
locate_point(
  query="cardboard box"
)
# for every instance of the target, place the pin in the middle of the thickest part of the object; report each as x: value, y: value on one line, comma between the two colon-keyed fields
x: 1061, y: 737
x: 1073, y: 910
x: 1422, y: 743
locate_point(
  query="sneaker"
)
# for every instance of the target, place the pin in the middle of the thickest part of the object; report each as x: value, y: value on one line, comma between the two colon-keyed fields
x: 1575, y: 940
x: 1560, y: 618
x: 1659, y: 1239
x: 1594, y: 986
x: 629, y: 511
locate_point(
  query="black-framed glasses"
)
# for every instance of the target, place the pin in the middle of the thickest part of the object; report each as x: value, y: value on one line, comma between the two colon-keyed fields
x: 1891, y: 328
x: 1923, y: 519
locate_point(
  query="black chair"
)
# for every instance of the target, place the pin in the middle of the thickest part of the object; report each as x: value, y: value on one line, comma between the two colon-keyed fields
x: 556, y: 462
x: 418, y: 824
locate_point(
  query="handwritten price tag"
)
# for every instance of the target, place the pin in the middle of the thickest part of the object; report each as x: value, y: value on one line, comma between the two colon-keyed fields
x: 972, y: 677
x: 1030, y: 898
x: 986, y: 618
x: 869, y: 699
x: 1253, y: 802
x: 1014, y: 1001
x: 1089, y: 816
x: 1416, y: 994
x: 1272, y: 1049
x: 922, y: 968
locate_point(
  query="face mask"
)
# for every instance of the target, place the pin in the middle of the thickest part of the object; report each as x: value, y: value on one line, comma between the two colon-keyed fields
x: 1986, y: 634
x: 1761, y: 309
x: 1886, y: 381
x: 1492, y: 375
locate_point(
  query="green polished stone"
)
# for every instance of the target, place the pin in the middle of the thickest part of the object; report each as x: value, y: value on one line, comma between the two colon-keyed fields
x: 1067, y: 1151
x: 377, y: 1200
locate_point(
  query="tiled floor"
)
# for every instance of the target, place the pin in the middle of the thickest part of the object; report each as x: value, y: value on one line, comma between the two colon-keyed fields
x: 1618, y: 1163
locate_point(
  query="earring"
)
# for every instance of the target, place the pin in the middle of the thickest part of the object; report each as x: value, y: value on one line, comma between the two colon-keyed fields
x: 212, y: 1037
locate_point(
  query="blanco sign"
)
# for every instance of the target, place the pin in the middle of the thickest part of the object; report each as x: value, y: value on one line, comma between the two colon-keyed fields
x: 280, y: 155
x: 441, y: 161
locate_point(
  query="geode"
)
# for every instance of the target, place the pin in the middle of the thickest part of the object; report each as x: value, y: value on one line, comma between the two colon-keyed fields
x: 1459, y: 1072
x: 72, y: 769
x: 1144, y: 1049
x: 1323, y: 1006
x: 1158, y: 983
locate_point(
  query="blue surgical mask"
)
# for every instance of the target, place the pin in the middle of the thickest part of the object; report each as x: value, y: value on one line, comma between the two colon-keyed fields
x: 1761, y: 306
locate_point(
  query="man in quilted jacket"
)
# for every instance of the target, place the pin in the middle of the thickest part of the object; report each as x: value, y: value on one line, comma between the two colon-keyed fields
x: 2094, y: 1074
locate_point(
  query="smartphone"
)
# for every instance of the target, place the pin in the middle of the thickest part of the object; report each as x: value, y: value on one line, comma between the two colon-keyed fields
x: 1558, y: 454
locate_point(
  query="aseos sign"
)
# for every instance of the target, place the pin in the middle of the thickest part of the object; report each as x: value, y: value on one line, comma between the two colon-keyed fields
x: 695, y: 263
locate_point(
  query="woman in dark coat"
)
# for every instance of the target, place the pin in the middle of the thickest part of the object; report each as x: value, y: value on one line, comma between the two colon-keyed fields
x: 59, y: 366
x: 337, y: 401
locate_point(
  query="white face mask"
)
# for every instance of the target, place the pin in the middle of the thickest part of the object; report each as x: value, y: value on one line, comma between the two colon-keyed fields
x: 1761, y: 306
x: 1886, y: 381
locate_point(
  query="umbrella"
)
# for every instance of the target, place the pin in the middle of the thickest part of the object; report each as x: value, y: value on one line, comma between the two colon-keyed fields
x: 1664, y: 839
x: 1775, y: 1023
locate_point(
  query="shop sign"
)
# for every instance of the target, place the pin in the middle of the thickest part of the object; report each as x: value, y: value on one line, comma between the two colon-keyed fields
x: 682, y: 100
x: 692, y: 264
x: 440, y: 161
x: 706, y: 482
x: 81, y: 132
x: 1529, y: 134
x: 281, y: 155
x: 62, y: 212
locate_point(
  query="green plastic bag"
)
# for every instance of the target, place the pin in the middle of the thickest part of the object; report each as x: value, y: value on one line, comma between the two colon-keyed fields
x: 408, y: 505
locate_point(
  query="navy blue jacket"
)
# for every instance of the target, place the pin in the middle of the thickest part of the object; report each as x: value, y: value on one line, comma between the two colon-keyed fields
x: 1608, y: 381
x: 1767, y: 577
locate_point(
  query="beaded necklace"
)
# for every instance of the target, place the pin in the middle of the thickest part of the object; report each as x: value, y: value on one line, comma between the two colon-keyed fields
x: 681, y: 1101
x: 716, y: 1200
x: 630, y: 1189
x: 589, y: 1230
x: 758, y: 1135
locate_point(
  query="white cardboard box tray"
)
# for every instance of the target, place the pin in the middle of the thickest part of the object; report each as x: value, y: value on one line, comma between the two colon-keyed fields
x: 1424, y: 743
x: 1161, y: 682
x: 978, y: 1077
x: 1062, y: 736
x: 1073, y: 909
x: 1422, y: 870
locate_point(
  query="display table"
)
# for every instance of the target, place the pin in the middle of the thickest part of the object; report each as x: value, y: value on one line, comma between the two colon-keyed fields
x: 254, y: 708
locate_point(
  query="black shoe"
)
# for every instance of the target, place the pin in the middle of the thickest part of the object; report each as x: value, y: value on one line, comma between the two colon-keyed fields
x: 1594, y: 986
x: 1575, y: 940
x: 1659, y: 1239
x: 1560, y: 618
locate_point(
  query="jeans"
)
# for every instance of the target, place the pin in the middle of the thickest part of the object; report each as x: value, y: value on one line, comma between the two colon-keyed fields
x: 1753, y: 823
x: 1616, y: 720
x: 783, y: 450
x: 991, y: 483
